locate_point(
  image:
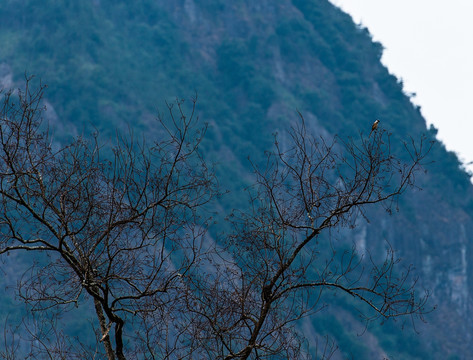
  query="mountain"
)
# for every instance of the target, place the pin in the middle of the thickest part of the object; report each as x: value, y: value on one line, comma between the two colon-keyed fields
x: 253, y: 65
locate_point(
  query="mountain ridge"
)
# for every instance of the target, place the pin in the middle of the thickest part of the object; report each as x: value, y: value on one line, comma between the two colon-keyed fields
x: 253, y: 65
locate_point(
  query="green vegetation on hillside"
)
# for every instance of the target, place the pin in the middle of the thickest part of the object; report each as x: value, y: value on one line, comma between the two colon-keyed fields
x: 113, y: 64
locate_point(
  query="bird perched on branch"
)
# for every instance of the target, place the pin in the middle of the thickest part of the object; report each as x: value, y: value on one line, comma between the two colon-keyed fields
x: 374, y: 126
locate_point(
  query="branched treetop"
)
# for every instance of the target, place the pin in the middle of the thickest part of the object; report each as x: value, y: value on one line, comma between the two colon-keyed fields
x: 121, y: 221
x: 279, y: 269
x: 121, y: 226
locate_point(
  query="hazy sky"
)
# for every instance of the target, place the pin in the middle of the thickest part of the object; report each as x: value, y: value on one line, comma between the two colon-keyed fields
x: 428, y: 44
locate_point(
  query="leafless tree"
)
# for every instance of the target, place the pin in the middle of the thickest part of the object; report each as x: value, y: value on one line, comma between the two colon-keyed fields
x: 279, y: 260
x: 115, y: 227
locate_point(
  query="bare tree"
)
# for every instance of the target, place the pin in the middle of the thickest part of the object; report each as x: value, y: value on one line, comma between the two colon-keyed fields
x: 115, y: 227
x: 279, y: 260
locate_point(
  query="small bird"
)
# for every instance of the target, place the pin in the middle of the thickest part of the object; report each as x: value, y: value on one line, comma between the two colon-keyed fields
x: 374, y: 126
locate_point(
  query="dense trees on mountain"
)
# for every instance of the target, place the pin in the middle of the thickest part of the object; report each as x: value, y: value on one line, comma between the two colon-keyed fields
x: 114, y: 64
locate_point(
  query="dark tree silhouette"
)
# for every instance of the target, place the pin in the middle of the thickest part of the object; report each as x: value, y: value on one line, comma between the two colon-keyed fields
x: 279, y: 260
x: 117, y: 227
x: 119, y: 224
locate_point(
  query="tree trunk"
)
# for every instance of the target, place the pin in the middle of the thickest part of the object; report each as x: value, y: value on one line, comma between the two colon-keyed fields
x: 105, y: 331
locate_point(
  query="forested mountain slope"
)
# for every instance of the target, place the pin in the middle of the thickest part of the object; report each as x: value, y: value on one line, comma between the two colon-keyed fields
x: 253, y: 65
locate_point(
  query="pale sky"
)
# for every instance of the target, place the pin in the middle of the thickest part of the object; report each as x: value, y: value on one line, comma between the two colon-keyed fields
x: 429, y: 45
